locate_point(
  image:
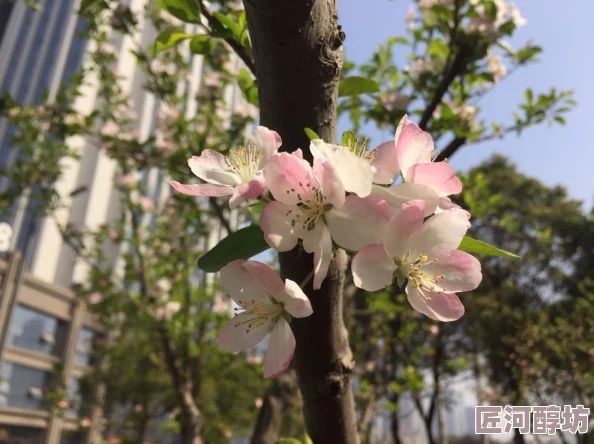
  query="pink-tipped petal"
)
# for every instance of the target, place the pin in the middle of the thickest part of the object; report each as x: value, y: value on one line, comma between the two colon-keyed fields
x: 318, y: 242
x: 288, y: 176
x: 246, y: 191
x: 236, y: 335
x: 372, y: 268
x: 460, y: 270
x: 399, y: 194
x: 442, y: 233
x: 445, y: 307
x: 203, y: 189
x: 281, y: 347
x: 267, y: 140
x: 279, y: 233
x: 297, y: 153
x: 401, y: 232
x: 438, y: 175
x: 212, y: 167
x: 360, y: 222
x: 385, y: 164
x: 268, y: 277
x: 241, y: 284
x: 413, y: 145
x: 330, y: 183
x: 294, y: 300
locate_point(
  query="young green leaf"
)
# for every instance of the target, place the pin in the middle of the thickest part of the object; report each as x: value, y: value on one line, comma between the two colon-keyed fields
x: 311, y: 134
x: 168, y: 38
x: 186, y: 10
x: 228, y: 23
x: 241, y: 244
x: 354, y: 86
x: 248, y: 86
x: 256, y: 210
x: 474, y: 246
x: 348, y: 139
x: 201, y: 44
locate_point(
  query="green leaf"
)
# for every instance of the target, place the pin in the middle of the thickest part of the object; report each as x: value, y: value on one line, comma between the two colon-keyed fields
x: 307, y: 439
x: 228, y: 23
x: 348, y: 139
x: 84, y: 5
x: 248, y: 86
x: 186, y: 10
x: 241, y: 244
x: 256, y: 209
x: 201, y: 44
x: 168, y: 38
x: 474, y: 246
x: 354, y: 86
x: 311, y: 134
x: 289, y: 441
x: 560, y: 120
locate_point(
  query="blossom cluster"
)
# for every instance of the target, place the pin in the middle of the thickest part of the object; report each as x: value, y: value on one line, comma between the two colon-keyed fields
x: 403, y: 231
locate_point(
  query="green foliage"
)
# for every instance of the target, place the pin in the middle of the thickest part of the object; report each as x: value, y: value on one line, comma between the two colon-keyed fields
x: 186, y: 10
x: 354, y: 86
x: 201, y: 44
x: 248, y: 86
x: 474, y: 246
x: 241, y: 244
x: 169, y: 38
x: 311, y: 134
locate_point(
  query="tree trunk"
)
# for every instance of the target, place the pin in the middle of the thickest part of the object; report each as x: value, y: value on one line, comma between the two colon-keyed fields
x: 518, y: 437
x: 395, y: 425
x: 282, y: 394
x: 298, y: 55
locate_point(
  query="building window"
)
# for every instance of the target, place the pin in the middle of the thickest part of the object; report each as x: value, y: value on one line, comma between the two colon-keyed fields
x: 23, y: 387
x: 85, y: 346
x: 71, y: 437
x: 78, y: 392
x: 21, y: 435
x: 35, y: 331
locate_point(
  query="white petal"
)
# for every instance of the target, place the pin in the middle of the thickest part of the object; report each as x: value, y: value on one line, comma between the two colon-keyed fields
x: 318, y: 242
x: 330, y: 183
x: 413, y: 145
x: 281, y: 347
x: 360, y: 222
x: 372, y: 268
x: 241, y: 284
x: 442, y: 233
x: 294, y: 300
x: 445, y: 307
x: 277, y: 228
x: 354, y: 172
x: 267, y: 276
x: 266, y: 140
x: 399, y: 194
x: 212, y: 167
x: 236, y: 336
x: 401, y: 232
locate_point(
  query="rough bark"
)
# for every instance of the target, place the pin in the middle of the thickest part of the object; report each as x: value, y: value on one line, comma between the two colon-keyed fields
x: 298, y: 55
x: 281, y: 394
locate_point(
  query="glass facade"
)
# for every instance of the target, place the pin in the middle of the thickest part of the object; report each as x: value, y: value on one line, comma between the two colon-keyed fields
x: 23, y: 387
x: 35, y: 331
x: 21, y: 435
x: 5, y: 10
x: 85, y: 345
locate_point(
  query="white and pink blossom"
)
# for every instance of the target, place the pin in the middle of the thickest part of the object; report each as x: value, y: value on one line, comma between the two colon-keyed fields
x: 424, y: 254
x: 311, y: 205
x: 267, y: 305
x: 239, y: 174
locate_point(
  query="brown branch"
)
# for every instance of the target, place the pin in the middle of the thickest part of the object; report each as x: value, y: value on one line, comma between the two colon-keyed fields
x: 451, y: 149
x: 240, y: 50
x: 281, y: 395
x: 219, y: 212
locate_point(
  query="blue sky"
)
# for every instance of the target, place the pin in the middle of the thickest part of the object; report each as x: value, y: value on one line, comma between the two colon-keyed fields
x: 555, y: 155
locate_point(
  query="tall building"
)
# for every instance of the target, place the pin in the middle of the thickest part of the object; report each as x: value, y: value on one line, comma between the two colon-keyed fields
x: 42, y: 324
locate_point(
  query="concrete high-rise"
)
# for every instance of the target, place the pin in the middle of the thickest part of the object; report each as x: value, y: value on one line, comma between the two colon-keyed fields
x: 42, y: 324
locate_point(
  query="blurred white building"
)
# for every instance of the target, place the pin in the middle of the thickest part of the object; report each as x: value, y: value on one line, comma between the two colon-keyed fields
x: 41, y: 322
